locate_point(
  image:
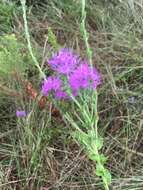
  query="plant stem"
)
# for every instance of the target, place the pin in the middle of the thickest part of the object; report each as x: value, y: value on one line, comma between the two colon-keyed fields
x: 102, y: 167
x: 94, y: 111
x: 28, y: 39
x: 85, y: 34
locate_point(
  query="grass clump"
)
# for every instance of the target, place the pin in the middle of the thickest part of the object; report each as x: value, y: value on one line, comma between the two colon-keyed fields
x: 7, y: 10
x: 10, y: 48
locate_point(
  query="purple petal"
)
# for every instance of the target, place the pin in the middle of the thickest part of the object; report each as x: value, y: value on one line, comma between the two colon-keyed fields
x: 64, y: 62
x: 21, y: 113
x: 84, y: 77
x: 51, y: 84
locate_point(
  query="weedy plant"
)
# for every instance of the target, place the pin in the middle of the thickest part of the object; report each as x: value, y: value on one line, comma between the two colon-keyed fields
x: 75, y: 80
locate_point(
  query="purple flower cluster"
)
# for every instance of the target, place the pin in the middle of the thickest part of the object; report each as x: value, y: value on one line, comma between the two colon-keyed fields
x: 54, y: 85
x: 64, y: 62
x: 79, y: 75
x: 84, y: 77
x: 51, y: 84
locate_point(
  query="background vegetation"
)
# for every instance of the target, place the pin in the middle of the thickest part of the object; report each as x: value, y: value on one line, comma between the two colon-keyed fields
x: 38, y: 152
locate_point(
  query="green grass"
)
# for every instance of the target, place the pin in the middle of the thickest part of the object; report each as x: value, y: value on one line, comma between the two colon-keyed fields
x: 7, y: 11
x: 39, y: 151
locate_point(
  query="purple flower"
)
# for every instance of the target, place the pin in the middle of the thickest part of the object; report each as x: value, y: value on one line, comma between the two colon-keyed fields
x: 61, y: 95
x: 51, y: 84
x: 84, y: 77
x: 64, y: 62
x: 79, y: 75
x: 21, y: 113
x: 54, y: 85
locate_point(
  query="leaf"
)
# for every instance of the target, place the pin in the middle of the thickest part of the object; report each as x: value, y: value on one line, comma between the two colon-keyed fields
x: 52, y: 39
x: 103, y: 159
x: 108, y: 176
x: 99, y: 143
x: 94, y: 157
x: 103, y: 172
x: 97, y: 158
x: 82, y: 138
x: 99, y: 170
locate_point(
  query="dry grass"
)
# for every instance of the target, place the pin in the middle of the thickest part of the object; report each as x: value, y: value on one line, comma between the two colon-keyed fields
x: 39, y: 151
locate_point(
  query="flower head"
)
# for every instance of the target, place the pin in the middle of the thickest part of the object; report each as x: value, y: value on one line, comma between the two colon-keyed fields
x: 64, y: 62
x: 54, y: 85
x: 84, y: 77
x: 51, y: 84
x: 61, y: 95
x: 20, y: 113
x: 78, y: 75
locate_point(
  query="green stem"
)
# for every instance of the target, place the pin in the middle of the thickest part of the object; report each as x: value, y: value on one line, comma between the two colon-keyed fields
x: 85, y: 34
x: 28, y: 39
x: 102, y: 168
x: 95, y: 149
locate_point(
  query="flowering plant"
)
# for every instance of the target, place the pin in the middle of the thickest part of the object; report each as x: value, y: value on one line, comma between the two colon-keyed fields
x: 74, y: 79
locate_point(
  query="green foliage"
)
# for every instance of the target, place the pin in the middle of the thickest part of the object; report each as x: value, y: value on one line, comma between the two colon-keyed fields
x: 6, y: 16
x: 104, y: 173
x: 52, y: 39
x: 85, y: 33
x: 12, y: 56
x: 86, y: 133
x: 29, y: 45
x: 92, y: 144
